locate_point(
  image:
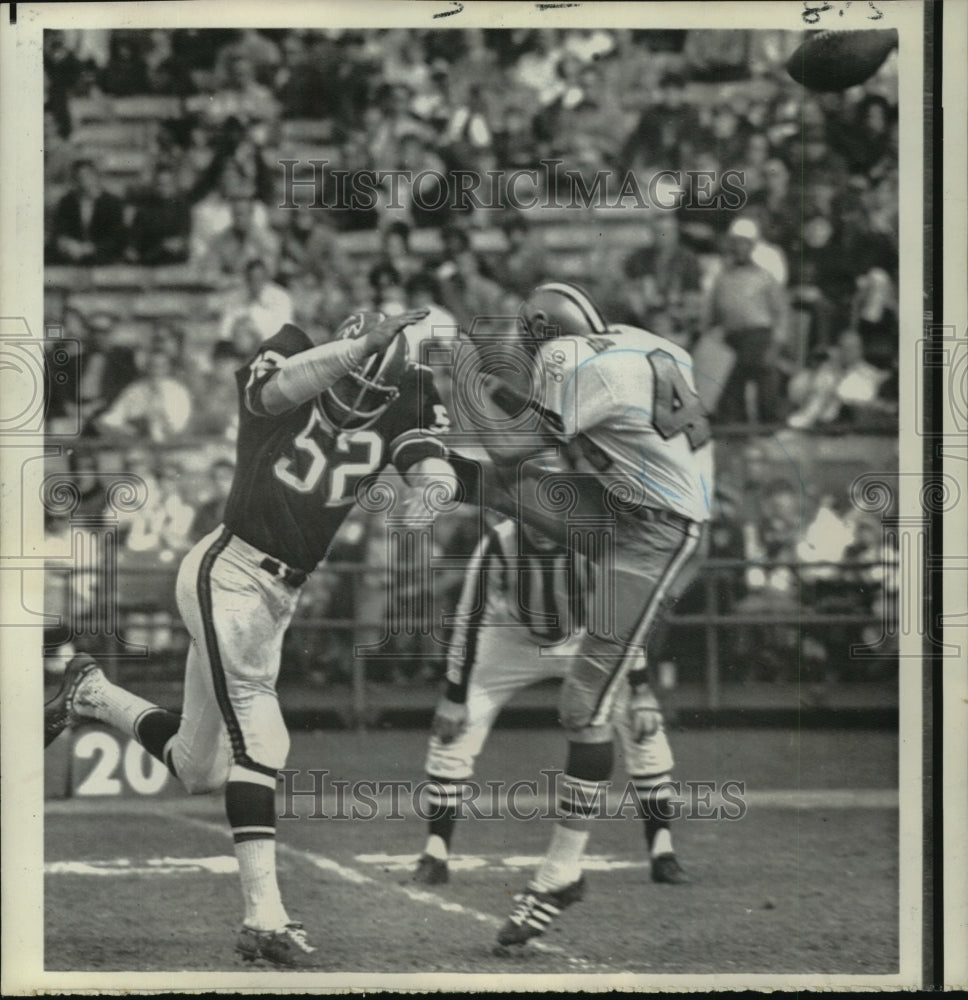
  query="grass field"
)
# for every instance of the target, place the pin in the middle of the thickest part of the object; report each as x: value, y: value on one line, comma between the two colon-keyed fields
x: 806, y: 882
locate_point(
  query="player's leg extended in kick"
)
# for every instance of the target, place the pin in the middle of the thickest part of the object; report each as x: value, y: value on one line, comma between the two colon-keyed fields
x: 622, y: 602
x: 231, y: 731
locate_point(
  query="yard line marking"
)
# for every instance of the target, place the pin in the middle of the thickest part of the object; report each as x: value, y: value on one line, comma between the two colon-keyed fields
x: 821, y: 798
x: 417, y: 895
x: 219, y: 865
x: 498, y: 863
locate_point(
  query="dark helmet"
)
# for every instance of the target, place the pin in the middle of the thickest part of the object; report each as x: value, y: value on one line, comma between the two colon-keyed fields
x: 362, y: 396
x: 560, y: 309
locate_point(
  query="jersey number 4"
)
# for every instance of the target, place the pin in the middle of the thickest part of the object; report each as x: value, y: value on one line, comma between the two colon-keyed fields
x: 676, y: 408
x: 353, y: 455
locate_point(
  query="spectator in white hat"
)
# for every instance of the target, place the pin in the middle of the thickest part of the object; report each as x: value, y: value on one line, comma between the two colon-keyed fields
x: 750, y: 306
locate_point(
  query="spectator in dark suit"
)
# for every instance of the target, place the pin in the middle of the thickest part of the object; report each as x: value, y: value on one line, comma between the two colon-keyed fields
x: 305, y: 77
x: 126, y: 73
x: 63, y: 71
x: 88, y: 221
x: 162, y: 223
x: 662, y: 129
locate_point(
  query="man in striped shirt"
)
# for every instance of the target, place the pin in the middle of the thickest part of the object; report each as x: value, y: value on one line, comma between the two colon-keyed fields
x: 517, y: 621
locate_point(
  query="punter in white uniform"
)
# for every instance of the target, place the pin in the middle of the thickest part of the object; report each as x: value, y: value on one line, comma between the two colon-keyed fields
x: 623, y: 403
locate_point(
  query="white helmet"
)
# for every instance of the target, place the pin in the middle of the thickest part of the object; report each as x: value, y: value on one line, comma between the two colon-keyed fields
x: 560, y: 309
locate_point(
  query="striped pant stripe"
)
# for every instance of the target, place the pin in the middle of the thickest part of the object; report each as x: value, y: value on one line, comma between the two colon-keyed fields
x: 687, y: 549
x: 213, y: 653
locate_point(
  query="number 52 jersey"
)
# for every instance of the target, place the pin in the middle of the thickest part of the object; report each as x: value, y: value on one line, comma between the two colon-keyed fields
x: 296, y: 474
x: 626, y: 402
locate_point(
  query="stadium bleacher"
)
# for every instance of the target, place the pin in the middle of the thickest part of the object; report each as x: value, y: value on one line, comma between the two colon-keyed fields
x: 128, y: 137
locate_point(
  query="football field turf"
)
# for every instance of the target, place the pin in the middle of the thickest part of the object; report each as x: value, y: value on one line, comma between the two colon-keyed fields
x: 805, y: 882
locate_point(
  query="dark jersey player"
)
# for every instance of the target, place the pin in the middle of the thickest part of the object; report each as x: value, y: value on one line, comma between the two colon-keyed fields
x: 314, y: 423
x: 297, y: 486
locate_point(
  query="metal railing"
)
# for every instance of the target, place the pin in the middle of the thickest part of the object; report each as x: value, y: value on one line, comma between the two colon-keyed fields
x: 713, y: 620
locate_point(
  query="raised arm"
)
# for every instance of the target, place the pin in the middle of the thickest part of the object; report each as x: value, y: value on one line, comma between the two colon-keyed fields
x: 291, y: 381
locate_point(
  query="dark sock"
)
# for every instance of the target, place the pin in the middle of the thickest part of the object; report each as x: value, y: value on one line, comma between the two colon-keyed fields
x: 251, y: 810
x: 443, y: 808
x: 653, y: 823
x: 657, y: 807
x: 153, y: 729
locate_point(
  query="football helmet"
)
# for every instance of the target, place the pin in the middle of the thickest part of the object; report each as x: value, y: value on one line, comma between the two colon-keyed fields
x: 362, y: 396
x: 559, y: 309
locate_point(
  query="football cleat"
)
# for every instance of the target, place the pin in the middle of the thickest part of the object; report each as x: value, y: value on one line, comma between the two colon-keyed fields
x: 430, y: 871
x: 59, y: 711
x: 287, y: 949
x: 666, y: 868
x: 536, y: 910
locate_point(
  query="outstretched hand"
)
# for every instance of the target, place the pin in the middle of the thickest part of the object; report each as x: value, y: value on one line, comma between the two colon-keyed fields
x: 380, y: 335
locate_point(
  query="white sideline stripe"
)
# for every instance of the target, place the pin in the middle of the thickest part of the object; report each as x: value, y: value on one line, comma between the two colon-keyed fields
x: 819, y: 798
x: 218, y: 865
x: 769, y: 798
x: 417, y: 895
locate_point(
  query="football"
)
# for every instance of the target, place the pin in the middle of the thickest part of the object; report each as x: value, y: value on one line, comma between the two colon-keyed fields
x: 836, y: 60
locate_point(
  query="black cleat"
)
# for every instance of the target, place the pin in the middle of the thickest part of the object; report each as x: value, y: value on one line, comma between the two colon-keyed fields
x: 286, y: 949
x: 430, y: 871
x: 59, y: 711
x: 536, y: 910
x: 666, y: 869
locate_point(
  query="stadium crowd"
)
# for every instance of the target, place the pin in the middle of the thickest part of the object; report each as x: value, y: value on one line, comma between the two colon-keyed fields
x: 789, y: 303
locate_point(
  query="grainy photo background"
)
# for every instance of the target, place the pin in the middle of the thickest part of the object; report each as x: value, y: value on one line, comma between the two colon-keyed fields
x: 182, y: 132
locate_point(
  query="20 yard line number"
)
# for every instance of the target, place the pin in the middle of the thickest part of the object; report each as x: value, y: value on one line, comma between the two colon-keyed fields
x: 143, y: 774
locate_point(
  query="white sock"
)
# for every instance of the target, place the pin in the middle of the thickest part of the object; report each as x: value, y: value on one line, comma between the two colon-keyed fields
x: 436, y: 847
x: 98, y: 698
x: 260, y: 889
x: 562, y: 863
x: 662, y: 842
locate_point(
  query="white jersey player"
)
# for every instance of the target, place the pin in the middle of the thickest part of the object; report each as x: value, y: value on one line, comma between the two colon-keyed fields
x: 623, y: 404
